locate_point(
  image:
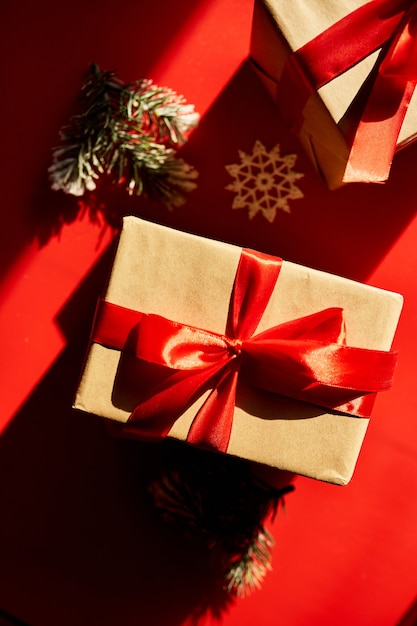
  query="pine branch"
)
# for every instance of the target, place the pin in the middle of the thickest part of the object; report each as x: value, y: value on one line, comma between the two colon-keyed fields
x: 216, y: 499
x: 129, y: 132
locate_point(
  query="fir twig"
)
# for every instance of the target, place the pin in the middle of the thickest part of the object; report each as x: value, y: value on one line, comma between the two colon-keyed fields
x: 217, y: 499
x: 247, y: 571
x: 130, y: 133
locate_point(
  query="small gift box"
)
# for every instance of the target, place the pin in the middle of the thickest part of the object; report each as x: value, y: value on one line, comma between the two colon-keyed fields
x: 343, y: 74
x: 238, y: 351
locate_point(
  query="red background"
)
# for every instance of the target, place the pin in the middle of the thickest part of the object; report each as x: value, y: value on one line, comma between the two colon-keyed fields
x: 78, y: 542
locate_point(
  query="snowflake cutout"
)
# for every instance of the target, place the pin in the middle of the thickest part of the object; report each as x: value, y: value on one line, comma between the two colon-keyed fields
x: 264, y: 181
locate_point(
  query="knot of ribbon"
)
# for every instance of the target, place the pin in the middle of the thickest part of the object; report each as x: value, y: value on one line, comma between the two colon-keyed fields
x: 306, y: 358
x: 388, y: 25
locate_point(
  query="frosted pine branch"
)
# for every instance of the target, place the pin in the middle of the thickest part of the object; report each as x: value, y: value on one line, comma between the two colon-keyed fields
x: 129, y: 132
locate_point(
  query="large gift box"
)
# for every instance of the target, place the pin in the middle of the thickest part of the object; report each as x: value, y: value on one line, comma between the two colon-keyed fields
x: 343, y: 74
x: 238, y: 351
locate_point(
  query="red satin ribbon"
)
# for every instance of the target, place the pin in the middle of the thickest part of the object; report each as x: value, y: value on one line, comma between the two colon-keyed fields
x: 305, y: 358
x: 386, y: 24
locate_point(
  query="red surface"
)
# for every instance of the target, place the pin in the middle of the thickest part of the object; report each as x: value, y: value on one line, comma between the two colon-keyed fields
x: 79, y: 543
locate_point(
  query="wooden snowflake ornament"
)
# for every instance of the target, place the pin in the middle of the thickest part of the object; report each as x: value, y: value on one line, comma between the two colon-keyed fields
x: 264, y: 181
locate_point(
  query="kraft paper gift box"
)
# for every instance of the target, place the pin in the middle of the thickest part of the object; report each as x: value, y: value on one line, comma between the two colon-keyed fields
x: 322, y: 100
x: 189, y: 280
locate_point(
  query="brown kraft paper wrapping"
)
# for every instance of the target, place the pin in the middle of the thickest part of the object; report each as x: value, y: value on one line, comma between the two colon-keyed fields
x: 189, y: 279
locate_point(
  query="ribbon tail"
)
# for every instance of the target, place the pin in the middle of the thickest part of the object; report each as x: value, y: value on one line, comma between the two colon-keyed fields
x: 154, y: 417
x: 212, y: 425
x: 376, y: 136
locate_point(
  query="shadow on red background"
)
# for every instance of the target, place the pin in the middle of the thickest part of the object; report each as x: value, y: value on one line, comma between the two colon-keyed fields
x: 410, y: 618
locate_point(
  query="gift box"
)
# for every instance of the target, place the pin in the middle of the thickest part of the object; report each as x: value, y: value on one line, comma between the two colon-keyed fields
x: 238, y: 351
x: 342, y: 74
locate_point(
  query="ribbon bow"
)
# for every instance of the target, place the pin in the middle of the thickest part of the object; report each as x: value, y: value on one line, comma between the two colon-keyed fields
x: 305, y: 358
x: 387, y: 24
